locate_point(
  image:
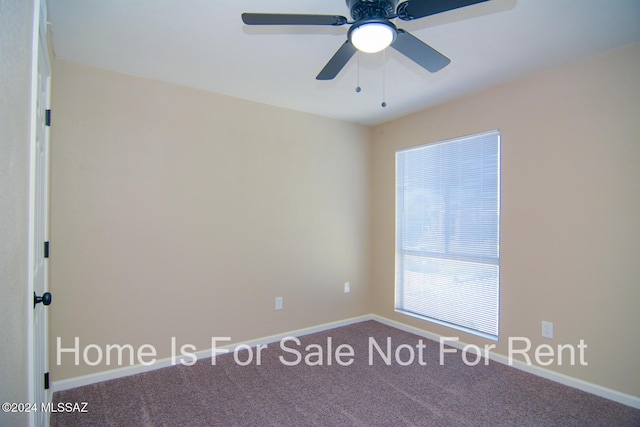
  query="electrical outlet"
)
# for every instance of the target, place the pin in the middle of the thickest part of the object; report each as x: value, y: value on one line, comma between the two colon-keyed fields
x: 347, y: 287
x: 278, y: 303
x: 547, y: 329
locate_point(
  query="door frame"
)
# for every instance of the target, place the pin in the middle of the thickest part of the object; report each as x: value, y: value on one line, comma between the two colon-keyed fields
x: 40, y: 58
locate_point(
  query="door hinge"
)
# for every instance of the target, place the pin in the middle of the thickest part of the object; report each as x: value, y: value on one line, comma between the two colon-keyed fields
x: 47, y: 117
x: 46, y: 249
x: 46, y: 380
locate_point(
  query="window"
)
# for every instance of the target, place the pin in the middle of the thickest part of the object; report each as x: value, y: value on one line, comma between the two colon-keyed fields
x: 448, y: 233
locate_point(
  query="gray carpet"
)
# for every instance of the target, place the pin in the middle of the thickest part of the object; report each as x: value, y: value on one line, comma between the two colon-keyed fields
x: 361, y: 394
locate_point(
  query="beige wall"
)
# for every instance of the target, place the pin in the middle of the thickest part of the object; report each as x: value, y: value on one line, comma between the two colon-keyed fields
x: 16, y: 29
x: 180, y: 213
x: 570, y: 220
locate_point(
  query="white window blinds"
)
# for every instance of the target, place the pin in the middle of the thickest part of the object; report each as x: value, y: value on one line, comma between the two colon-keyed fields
x: 448, y: 233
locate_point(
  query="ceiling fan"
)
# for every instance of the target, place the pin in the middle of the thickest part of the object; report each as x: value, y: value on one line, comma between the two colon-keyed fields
x: 372, y: 30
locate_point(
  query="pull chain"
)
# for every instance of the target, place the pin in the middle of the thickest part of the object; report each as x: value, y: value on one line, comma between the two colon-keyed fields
x: 384, y: 78
x: 358, y: 89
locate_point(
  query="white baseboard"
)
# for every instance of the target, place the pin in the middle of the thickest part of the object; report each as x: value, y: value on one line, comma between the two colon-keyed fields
x: 126, y: 371
x: 607, y: 393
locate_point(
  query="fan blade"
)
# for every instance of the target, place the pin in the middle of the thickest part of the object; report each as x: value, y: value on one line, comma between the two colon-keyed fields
x: 419, y: 52
x: 414, y: 9
x: 291, y: 19
x: 337, y: 62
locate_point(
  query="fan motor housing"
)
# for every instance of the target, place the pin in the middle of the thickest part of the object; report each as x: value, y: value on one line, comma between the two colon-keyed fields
x: 367, y: 9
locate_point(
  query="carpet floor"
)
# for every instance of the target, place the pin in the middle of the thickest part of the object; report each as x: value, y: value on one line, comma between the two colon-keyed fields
x: 364, y: 393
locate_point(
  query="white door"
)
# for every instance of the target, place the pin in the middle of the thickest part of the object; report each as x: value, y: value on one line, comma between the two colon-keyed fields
x: 38, y: 212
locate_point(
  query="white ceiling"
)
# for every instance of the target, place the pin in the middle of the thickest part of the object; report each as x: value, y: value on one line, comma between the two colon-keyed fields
x: 204, y: 44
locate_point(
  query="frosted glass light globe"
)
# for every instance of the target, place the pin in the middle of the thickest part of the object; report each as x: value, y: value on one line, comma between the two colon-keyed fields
x: 372, y: 37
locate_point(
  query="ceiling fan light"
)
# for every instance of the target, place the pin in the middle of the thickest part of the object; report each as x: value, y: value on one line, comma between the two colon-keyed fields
x: 372, y: 37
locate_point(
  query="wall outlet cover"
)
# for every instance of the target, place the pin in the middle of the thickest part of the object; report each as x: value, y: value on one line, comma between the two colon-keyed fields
x: 547, y: 329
